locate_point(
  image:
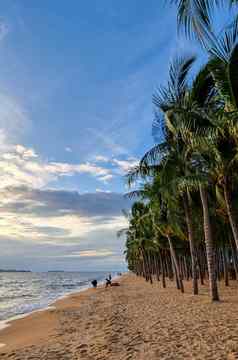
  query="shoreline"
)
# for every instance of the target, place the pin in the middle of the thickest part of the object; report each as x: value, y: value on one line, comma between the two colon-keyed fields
x: 14, y: 321
x: 50, y: 306
x: 136, y: 321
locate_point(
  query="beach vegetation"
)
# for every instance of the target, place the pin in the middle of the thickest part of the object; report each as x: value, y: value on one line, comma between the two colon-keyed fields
x: 184, y: 223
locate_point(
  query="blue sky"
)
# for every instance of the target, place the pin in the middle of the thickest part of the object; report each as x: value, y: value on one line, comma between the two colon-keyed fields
x: 76, y: 84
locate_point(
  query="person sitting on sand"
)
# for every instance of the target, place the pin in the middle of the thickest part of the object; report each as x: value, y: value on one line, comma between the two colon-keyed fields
x: 94, y: 283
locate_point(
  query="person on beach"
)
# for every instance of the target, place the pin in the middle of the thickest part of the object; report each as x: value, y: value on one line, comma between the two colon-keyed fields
x: 110, y: 277
x: 108, y: 282
x: 94, y: 283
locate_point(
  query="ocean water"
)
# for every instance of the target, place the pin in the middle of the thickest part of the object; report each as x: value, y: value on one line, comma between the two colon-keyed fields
x: 24, y: 292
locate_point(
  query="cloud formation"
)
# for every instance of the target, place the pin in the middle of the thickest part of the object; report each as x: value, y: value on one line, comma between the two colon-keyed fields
x: 22, y: 166
x: 91, y: 253
x: 74, y: 225
x: 52, y: 203
x: 65, y: 224
x: 120, y: 165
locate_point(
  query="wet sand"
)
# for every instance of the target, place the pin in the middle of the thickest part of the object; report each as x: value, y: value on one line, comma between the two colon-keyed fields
x: 132, y: 322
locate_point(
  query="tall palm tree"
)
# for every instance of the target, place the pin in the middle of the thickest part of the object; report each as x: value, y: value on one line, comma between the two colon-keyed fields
x: 178, y: 103
x: 223, y: 67
x: 175, y: 101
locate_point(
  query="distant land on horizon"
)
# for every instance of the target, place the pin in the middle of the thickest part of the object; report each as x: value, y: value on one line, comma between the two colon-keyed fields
x: 13, y: 270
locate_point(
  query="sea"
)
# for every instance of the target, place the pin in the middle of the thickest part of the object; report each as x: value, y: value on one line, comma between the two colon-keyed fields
x: 24, y: 292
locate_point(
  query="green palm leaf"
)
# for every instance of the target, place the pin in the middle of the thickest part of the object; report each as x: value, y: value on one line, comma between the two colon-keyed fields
x: 233, y: 75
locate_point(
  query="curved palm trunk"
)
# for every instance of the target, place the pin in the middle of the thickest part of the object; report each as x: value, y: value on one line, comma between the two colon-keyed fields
x: 175, y: 261
x: 230, y: 211
x: 209, y: 246
x: 188, y: 216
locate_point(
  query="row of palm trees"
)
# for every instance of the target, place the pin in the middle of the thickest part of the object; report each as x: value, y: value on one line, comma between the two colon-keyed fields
x: 186, y: 223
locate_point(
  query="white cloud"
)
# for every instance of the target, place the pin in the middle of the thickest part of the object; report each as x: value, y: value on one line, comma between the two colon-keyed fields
x: 106, y: 178
x: 98, y: 190
x: 24, y: 152
x: 100, y: 158
x: 68, y: 149
x: 125, y: 165
x: 120, y: 166
x: 22, y: 166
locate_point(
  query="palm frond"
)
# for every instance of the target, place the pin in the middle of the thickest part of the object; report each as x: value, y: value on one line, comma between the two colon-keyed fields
x: 154, y: 155
x: 233, y: 75
x: 219, y: 73
x: 194, y: 18
x: 135, y: 194
x: 165, y: 96
x: 223, y: 46
x: 203, y: 87
x: 122, y: 232
x: 133, y: 175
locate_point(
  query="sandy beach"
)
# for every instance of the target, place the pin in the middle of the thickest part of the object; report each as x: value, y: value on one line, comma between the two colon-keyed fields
x: 134, y: 321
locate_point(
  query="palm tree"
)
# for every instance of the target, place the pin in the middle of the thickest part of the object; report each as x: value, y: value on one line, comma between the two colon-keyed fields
x: 195, y: 17
x: 223, y: 67
x: 179, y: 103
x: 174, y: 102
x: 161, y: 213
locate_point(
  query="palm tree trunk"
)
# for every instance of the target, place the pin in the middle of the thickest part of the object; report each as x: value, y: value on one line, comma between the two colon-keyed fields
x: 225, y: 265
x: 157, y: 268
x: 162, y: 269
x: 175, y: 262
x: 143, y: 265
x: 209, y: 245
x: 174, y: 272
x: 188, y: 216
x: 200, y: 268
x: 230, y: 211
x: 150, y: 269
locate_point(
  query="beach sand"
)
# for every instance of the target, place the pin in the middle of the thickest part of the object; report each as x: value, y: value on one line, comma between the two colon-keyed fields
x: 134, y: 321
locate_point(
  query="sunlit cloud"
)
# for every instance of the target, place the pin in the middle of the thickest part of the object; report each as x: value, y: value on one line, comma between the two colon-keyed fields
x: 53, y: 215
x: 23, y: 166
x: 91, y: 253
x: 24, y: 152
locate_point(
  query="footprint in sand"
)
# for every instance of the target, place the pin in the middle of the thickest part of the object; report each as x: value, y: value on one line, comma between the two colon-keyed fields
x: 82, y: 348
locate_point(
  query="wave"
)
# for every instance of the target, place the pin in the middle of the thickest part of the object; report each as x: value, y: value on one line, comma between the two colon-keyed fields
x: 13, y: 297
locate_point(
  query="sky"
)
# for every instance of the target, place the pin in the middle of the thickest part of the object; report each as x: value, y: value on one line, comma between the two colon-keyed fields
x: 76, y: 83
